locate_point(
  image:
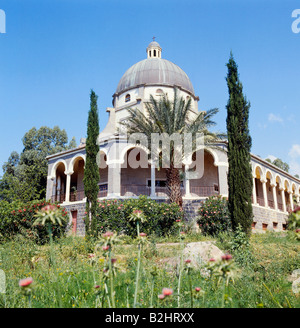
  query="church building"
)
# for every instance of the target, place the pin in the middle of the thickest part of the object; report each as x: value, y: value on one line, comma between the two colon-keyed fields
x: 275, y: 191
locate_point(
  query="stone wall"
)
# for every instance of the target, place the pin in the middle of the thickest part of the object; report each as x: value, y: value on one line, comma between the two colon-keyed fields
x: 268, y: 219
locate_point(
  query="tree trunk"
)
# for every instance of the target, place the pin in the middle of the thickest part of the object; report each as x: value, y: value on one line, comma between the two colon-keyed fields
x: 173, y: 185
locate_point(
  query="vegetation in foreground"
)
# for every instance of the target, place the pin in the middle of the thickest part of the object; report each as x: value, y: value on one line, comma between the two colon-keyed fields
x: 146, y: 271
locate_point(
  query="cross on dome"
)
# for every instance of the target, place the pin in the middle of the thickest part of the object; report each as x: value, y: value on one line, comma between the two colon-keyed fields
x: 153, y: 49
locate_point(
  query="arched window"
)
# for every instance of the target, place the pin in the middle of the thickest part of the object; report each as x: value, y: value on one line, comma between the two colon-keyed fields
x: 127, y: 97
x: 159, y: 92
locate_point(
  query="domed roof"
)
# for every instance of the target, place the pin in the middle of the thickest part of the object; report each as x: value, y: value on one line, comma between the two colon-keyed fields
x: 154, y: 71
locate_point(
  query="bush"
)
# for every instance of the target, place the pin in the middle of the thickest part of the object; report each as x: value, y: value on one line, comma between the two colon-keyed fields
x: 160, y: 217
x: 17, y: 218
x: 214, y: 216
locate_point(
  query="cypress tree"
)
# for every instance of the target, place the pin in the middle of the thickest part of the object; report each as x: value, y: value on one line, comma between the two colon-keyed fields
x: 91, y: 172
x: 239, y: 146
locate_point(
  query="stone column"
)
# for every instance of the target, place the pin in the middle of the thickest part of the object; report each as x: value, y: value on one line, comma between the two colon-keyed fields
x: 264, y: 185
x: 153, y: 194
x: 223, y: 184
x: 274, y: 196
x: 283, y: 199
x: 68, y: 186
x: 187, y: 181
x: 291, y: 200
x: 114, y: 180
x: 58, y: 188
x: 254, y: 191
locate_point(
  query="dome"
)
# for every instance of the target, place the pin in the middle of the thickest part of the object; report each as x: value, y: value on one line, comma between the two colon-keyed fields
x: 154, y: 71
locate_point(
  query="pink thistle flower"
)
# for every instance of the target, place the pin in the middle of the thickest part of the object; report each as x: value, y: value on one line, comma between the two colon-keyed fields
x: 188, y: 261
x: 161, y: 296
x: 97, y: 286
x: 91, y: 255
x: 25, y: 282
x: 212, y: 260
x: 105, y: 248
x: 178, y: 220
x: 113, y: 260
x: 143, y: 234
x: 108, y: 234
x: 226, y: 257
x: 167, y: 291
x: 197, y: 289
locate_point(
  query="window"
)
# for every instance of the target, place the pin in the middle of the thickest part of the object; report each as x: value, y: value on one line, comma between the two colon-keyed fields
x: 127, y: 97
x: 103, y: 187
x: 154, y: 53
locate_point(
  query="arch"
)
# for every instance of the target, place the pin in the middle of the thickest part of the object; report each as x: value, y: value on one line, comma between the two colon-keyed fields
x: 269, y: 175
x: 54, y: 167
x: 286, y: 185
x: 258, y: 172
x: 72, y: 162
x: 126, y: 149
x: 188, y: 160
x: 127, y: 97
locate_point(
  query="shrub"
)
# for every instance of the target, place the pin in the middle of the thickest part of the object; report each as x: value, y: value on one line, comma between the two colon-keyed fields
x: 214, y: 216
x: 160, y: 217
x: 17, y: 218
x: 294, y: 219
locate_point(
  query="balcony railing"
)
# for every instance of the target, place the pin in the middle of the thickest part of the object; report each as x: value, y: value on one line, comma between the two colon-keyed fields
x: 203, y: 191
x: 58, y: 198
x: 135, y: 190
x: 76, y: 195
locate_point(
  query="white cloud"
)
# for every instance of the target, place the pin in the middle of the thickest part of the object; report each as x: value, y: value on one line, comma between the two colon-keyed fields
x: 295, y: 151
x: 274, y: 118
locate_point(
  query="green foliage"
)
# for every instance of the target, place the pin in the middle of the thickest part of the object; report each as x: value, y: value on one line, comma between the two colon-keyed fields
x: 214, y: 216
x: 114, y: 215
x: 168, y: 117
x: 91, y: 172
x: 294, y: 219
x: 25, y: 175
x: 279, y: 163
x: 17, y: 218
x: 239, y: 146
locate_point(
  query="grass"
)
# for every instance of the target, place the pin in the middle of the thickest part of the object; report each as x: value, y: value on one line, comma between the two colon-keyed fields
x: 262, y: 274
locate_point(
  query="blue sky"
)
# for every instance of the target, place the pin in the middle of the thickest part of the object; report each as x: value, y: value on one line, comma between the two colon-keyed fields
x: 55, y: 51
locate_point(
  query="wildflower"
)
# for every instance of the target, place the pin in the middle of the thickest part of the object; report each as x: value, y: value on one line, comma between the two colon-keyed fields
x: 178, y: 220
x: 182, y: 232
x: 113, y: 260
x: 212, y: 260
x: 161, y: 296
x: 197, y: 289
x: 97, y: 286
x: 188, y: 261
x: 108, y: 234
x: 226, y: 257
x: 167, y: 291
x: 143, y: 234
x: 105, y: 248
x: 91, y: 255
x: 25, y: 282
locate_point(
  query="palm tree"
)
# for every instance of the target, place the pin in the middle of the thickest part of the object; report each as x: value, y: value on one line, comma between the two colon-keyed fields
x: 164, y: 116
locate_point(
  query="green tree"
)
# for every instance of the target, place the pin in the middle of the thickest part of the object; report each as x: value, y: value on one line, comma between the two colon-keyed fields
x: 279, y: 163
x: 239, y: 146
x: 172, y: 117
x: 91, y: 172
x: 25, y: 175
